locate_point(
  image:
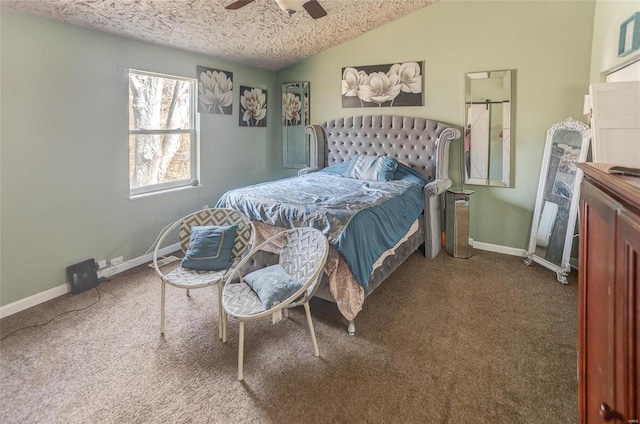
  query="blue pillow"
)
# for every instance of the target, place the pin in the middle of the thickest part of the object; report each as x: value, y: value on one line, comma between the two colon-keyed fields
x: 372, y: 168
x: 404, y: 172
x: 337, y: 169
x: 272, y: 284
x: 210, y: 248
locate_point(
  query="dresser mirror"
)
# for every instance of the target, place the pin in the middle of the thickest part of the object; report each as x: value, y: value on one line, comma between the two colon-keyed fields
x: 556, y: 210
x: 295, y: 117
x: 488, y: 125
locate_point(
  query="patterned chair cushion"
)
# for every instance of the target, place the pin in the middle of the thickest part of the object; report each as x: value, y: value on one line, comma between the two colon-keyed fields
x: 240, y: 300
x: 189, y: 279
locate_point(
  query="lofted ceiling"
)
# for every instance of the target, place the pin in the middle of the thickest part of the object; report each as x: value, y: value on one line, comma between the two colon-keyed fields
x: 259, y: 34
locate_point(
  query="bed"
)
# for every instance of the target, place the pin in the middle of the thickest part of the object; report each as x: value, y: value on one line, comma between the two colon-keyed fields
x: 405, y: 211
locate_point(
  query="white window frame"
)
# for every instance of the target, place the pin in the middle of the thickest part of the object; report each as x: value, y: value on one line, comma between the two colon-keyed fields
x: 193, y: 181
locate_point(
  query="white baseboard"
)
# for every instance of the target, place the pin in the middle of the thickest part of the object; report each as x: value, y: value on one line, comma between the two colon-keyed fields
x: 36, y: 299
x: 499, y: 249
x: 132, y: 263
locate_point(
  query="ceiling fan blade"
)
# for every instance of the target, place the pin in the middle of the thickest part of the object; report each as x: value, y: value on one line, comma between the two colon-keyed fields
x: 314, y: 9
x: 238, y: 4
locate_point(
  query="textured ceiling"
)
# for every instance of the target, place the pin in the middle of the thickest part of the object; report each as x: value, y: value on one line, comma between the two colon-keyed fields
x: 259, y: 34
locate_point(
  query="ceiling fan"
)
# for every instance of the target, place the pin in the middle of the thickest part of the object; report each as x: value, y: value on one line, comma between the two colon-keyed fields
x: 312, y: 7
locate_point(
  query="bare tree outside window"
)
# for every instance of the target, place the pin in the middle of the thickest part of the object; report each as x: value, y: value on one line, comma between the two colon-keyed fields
x: 162, y: 133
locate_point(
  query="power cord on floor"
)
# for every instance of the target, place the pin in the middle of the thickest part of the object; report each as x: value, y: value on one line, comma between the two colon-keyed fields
x: 112, y: 271
x: 57, y: 316
x: 153, y: 245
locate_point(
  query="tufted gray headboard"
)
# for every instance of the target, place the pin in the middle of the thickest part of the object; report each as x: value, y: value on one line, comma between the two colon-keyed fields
x: 421, y: 143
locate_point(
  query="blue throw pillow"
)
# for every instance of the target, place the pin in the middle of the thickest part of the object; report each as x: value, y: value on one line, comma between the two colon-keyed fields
x: 210, y: 248
x: 372, y: 168
x: 337, y: 169
x: 272, y: 284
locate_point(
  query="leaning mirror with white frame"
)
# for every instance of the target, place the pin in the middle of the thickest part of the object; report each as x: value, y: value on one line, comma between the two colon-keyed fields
x: 295, y: 117
x: 488, y: 127
x: 556, y: 209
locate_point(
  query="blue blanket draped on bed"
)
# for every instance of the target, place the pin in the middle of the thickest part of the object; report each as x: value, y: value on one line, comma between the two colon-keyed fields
x: 361, y: 219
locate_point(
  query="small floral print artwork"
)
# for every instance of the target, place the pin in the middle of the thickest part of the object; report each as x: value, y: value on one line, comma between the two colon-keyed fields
x: 291, y: 109
x: 215, y: 91
x: 253, y: 107
x: 398, y: 84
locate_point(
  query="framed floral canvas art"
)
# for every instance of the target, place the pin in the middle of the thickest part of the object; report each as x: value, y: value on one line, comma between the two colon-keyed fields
x: 292, y: 109
x: 253, y: 107
x: 215, y: 91
x: 397, y: 84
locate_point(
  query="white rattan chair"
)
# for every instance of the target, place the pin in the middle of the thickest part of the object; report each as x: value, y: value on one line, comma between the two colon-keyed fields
x: 303, y: 253
x: 190, y: 279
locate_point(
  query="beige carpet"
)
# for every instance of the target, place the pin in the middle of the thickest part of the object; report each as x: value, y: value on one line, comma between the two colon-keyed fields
x: 480, y: 340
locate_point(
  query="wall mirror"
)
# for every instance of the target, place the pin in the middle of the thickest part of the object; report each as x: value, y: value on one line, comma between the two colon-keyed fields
x: 556, y: 210
x: 488, y: 125
x: 295, y: 117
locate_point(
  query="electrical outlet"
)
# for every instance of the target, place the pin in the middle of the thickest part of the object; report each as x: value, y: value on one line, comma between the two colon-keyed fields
x: 116, y: 261
x: 102, y: 263
x: 205, y: 207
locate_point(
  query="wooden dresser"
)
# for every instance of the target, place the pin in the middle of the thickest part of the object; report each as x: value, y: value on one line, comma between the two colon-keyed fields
x: 609, y: 298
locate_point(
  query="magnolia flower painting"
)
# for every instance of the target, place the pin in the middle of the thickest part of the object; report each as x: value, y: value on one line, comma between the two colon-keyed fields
x: 253, y: 107
x: 215, y: 91
x: 398, y: 84
x: 291, y: 109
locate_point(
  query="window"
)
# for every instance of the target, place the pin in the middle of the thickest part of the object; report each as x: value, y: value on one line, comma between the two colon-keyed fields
x: 162, y: 134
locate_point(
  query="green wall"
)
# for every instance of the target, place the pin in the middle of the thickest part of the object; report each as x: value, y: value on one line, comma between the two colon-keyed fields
x: 64, y: 151
x: 547, y: 43
x: 63, y: 134
x: 606, y: 31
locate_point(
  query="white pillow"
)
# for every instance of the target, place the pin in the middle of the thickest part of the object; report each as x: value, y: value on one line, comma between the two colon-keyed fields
x: 372, y: 168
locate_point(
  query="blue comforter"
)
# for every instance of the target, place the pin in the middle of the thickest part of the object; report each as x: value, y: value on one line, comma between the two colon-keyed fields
x: 361, y: 219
